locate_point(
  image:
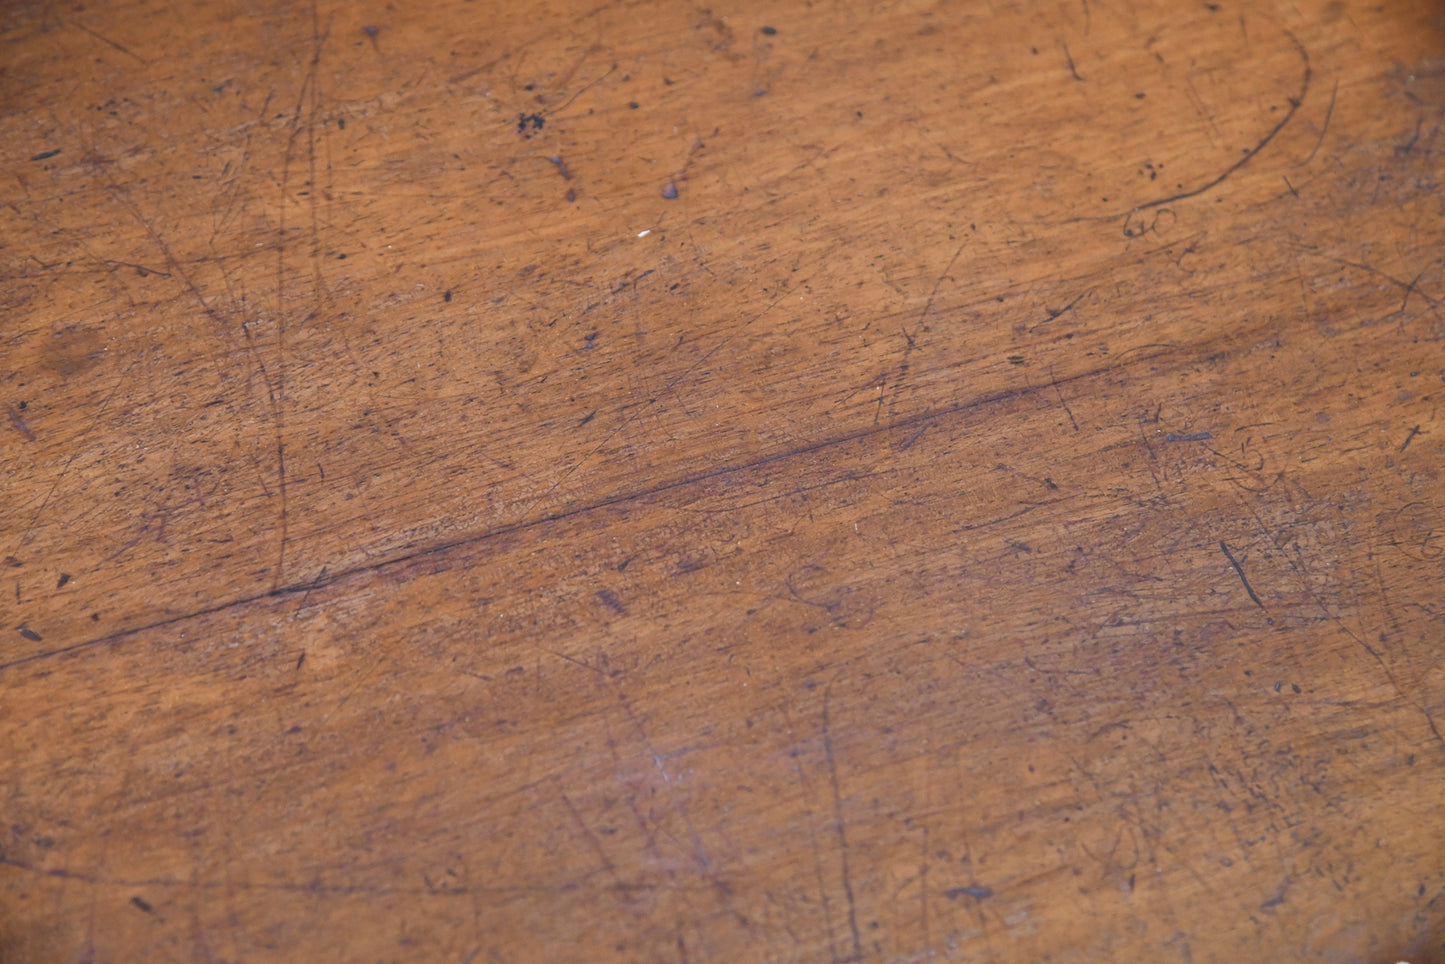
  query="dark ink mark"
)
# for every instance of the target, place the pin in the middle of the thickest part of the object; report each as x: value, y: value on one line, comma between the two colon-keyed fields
x: 571, y: 194
x: 29, y: 633
x: 974, y: 891
x: 633, y: 105
x: 1235, y: 563
x: 301, y: 659
x: 588, y: 417
x: 528, y: 124
x: 1249, y: 153
x: 1296, y: 687
x: 12, y: 562
x: 19, y: 422
x: 561, y: 168
x: 669, y: 191
x: 371, y: 33
x: 1410, y: 438
x: 1016, y: 359
x: 770, y: 31
x: 143, y: 905
x: 341, y: 122
x: 64, y: 578
x: 1072, y: 71
x: 1272, y: 902
x: 1291, y: 187
x: 1188, y: 437
x: 447, y: 297
x: 611, y: 601
x: 45, y: 155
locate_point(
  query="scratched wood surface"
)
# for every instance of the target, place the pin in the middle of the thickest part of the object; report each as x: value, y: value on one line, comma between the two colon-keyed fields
x: 865, y: 481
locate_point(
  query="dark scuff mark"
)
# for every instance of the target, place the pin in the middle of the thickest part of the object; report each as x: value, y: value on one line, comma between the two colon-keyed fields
x: 1188, y: 437
x: 45, y: 155
x: 611, y: 601
x: 143, y: 905
x: 29, y: 633
x: 19, y: 423
x: 908, y: 443
x: 64, y: 578
x: 973, y: 890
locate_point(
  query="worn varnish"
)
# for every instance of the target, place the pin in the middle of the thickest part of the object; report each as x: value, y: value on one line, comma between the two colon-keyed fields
x: 786, y: 482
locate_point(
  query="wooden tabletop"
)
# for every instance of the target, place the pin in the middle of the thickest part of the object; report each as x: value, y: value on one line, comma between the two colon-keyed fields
x: 932, y: 480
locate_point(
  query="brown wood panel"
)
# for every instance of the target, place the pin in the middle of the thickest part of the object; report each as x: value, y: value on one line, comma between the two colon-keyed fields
x: 902, y: 481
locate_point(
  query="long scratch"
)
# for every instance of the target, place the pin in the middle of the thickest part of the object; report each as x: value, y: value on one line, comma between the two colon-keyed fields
x: 106, y: 40
x: 842, y: 830
x: 1325, y: 127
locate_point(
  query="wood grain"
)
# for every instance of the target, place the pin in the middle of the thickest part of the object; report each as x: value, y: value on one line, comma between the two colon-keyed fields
x: 854, y: 482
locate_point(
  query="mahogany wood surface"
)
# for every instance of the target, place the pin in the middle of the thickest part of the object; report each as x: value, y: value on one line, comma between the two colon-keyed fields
x: 625, y: 480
